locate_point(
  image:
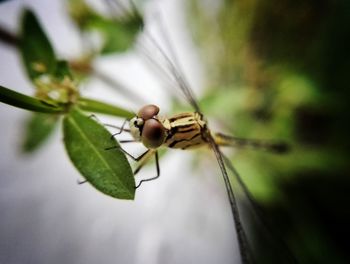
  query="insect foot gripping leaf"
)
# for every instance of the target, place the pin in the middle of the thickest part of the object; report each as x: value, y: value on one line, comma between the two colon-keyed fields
x: 108, y: 171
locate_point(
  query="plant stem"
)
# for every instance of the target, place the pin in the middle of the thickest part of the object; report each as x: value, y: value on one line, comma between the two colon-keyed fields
x: 103, y: 108
x: 8, y: 37
x: 23, y: 101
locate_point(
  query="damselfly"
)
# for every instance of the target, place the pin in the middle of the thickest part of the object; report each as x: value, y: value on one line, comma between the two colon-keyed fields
x: 186, y: 131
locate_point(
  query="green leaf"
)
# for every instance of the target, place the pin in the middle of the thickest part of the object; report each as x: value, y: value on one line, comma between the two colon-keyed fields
x: 19, y: 100
x: 119, y: 36
x: 107, y: 170
x: 103, y: 108
x: 37, y: 53
x: 39, y: 127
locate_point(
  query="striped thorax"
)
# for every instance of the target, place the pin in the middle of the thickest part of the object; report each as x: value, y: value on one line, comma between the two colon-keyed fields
x: 185, y: 131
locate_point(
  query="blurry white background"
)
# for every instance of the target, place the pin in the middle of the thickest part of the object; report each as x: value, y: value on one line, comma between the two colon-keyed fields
x: 46, y: 217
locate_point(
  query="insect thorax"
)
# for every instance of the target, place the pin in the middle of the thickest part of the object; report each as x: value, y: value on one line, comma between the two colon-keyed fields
x: 185, y: 131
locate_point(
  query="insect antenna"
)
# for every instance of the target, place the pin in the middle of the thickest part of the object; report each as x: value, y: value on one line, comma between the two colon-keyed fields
x: 258, y: 212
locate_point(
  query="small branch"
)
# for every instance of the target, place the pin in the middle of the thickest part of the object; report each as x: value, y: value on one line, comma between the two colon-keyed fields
x: 26, y: 102
x: 8, y: 37
x: 103, y: 108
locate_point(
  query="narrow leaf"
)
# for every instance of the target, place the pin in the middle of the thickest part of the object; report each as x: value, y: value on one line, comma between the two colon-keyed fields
x: 39, y: 127
x: 36, y: 50
x: 107, y: 170
x: 19, y: 100
x: 103, y: 108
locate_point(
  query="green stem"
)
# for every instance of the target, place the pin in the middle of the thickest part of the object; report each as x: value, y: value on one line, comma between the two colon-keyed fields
x: 103, y: 108
x: 8, y: 37
x: 19, y: 100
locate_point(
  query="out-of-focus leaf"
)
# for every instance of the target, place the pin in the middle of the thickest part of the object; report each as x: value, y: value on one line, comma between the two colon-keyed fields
x: 118, y: 33
x: 107, y: 170
x: 81, y: 13
x: 19, y: 100
x: 103, y: 108
x: 37, y: 52
x: 119, y: 37
x: 39, y: 127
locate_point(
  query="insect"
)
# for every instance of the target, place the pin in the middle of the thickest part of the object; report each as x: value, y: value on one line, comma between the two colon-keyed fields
x: 189, y: 130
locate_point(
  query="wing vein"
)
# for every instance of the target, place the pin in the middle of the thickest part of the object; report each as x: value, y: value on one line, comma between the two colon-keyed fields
x: 241, y: 235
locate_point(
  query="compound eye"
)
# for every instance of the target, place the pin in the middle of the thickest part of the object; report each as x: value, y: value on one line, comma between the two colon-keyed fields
x: 148, y: 111
x: 153, y: 134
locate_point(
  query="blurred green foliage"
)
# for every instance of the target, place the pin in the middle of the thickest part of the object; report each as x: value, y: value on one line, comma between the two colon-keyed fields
x: 118, y: 30
x: 278, y: 70
x: 57, y: 94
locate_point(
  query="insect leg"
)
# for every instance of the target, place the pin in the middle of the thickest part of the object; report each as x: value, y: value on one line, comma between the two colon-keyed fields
x: 92, y: 116
x: 121, y: 129
x: 127, y: 153
x: 153, y: 178
x: 117, y: 147
x: 129, y: 141
x: 143, y: 161
x: 82, y: 181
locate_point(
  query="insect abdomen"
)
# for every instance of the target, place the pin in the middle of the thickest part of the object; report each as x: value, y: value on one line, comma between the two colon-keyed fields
x: 185, y: 131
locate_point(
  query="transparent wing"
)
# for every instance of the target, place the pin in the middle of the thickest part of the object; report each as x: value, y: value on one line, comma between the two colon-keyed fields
x: 278, y: 242
x: 242, y: 238
x: 171, y: 68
